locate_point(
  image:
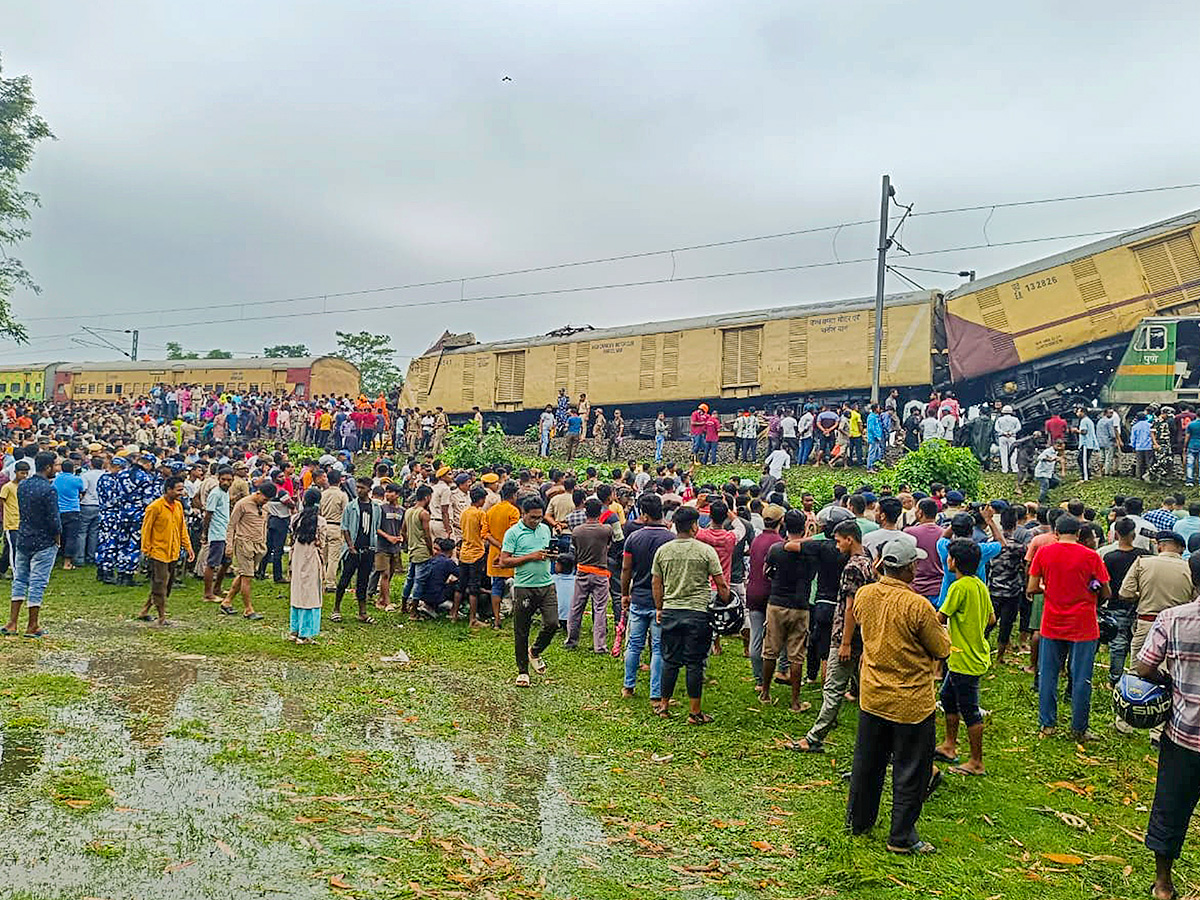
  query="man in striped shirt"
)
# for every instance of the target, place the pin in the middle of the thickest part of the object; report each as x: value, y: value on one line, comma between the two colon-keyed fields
x: 1171, y: 655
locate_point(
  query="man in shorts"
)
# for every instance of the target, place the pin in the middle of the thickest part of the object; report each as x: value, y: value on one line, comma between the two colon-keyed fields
x: 216, y: 525
x: 248, y: 533
x: 391, y: 538
x: 164, y: 535
x: 791, y: 577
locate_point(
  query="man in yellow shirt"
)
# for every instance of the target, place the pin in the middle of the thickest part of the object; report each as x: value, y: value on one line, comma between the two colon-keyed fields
x: 856, y: 434
x: 164, y: 534
x: 496, y: 522
x: 472, y: 561
x: 12, y: 515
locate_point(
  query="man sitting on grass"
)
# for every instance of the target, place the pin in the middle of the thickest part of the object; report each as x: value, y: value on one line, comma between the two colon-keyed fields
x: 968, y: 611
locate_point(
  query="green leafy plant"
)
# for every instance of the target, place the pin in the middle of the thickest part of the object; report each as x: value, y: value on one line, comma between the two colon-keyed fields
x: 467, y: 448
x: 937, y: 461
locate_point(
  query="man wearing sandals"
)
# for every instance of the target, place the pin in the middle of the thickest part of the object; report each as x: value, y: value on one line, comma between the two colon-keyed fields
x: 902, y: 641
x: 681, y: 572
x: 37, y: 543
x: 524, y: 550
x: 164, y: 536
x: 247, y: 532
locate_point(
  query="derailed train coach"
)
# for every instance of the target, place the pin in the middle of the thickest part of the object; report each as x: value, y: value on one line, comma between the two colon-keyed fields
x: 756, y: 358
x: 1038, y: 336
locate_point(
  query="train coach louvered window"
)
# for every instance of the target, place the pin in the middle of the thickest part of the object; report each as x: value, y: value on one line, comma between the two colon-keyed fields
x: 1171, y: 263
x: 510, y: 377
x: 740, y: 352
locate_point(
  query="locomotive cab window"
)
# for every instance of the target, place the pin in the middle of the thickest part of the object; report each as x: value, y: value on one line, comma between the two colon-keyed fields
x: 1152, y: 337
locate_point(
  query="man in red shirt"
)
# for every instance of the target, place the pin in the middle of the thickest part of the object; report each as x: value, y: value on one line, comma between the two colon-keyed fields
x: 722, y: 538
x: 1073, y: 580
x: 699, y: 421
x: 1056, y: 428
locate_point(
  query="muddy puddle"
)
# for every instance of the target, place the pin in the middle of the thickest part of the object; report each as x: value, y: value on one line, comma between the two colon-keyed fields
x: 170, y: 826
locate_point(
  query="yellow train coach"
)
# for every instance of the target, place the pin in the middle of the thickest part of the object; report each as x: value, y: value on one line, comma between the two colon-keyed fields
x: 762, y: 357
x: 1059, y: 325
x: 309, y: 376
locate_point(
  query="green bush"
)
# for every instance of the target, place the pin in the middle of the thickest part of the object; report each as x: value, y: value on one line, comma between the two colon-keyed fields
x: 466, y: 448
x: 937, y: 461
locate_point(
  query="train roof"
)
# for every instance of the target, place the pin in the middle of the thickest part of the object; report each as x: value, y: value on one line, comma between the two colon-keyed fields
x: 1135, y: 236
x: 723, y: 320
x: 166, y: 365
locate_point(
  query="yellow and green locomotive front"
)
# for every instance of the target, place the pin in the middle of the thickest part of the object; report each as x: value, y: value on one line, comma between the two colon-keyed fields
x: 1156, y: 363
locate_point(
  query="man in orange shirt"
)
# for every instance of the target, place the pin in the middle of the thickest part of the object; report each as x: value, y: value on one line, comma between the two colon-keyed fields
x: 164, y: 535
x: 501, y: 517
x: 472, y: 560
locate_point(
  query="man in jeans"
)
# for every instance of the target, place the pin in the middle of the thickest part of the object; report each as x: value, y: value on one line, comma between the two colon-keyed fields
x: 524, y: 550
x: 69, y: 488
x: 680, y: 580
x: 89, y: 506
x: 1072, y: 580
x: 590, y: 541
x: 37, y: 544
x: 1118, y: 559
x: 637, y: 597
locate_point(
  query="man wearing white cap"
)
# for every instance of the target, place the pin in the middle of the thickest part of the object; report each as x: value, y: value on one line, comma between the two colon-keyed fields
x: 902, y: 639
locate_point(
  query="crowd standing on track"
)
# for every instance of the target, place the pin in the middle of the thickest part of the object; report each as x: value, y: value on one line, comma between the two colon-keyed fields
x: 886, y: 598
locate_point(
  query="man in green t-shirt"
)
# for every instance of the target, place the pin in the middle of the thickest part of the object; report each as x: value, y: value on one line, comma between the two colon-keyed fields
x: 681, y: 573
x: 525, y: 550
x: 968, y: 612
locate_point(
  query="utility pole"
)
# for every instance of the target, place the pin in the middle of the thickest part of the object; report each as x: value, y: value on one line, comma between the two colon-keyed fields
x: 880, y: 273
x: 133, y: 343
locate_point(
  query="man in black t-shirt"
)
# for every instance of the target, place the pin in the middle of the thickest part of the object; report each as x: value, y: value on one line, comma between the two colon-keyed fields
x: 791, y: 577
x: 1118, y: 562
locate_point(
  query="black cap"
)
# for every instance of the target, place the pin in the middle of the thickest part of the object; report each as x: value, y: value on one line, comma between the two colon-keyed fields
x: 1174, y: 536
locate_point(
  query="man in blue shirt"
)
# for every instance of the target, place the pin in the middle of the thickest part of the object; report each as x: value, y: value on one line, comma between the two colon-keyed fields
x: 875, y: 437
x: 37, y: 544
x: 574, y: 432
x: 1192, y: 450
x: 1142, y: 444
x: 963, y: 526
x: 70, y: 488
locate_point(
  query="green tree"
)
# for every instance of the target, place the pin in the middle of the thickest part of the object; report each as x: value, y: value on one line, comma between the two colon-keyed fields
x: 175, y: 351
x: 20, y: 131
x: 280, y: 351
x: 375, y: 358
x: 218, y: 354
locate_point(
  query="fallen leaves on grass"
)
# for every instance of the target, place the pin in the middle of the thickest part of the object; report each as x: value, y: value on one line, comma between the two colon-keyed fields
x: 77, y: 804
x: 1140, y: 838
x: 339, y: 881
x: 764, y: 846
x: 1072, y: 787
x: 309, y: 820
x: 1065, y: 859
x: 226, y: 849
x: 1065, y: 817
x: 179, y: 866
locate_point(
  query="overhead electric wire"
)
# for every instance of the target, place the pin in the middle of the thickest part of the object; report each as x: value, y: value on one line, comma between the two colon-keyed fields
x: 622, y: 257
x: 450, y: 301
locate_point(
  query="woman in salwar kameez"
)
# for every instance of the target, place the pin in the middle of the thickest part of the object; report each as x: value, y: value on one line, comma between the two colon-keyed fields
x: 307, y: 567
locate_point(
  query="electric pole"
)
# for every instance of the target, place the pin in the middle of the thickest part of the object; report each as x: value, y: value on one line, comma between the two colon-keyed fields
x: 880, y: 273
x: 133, y: 345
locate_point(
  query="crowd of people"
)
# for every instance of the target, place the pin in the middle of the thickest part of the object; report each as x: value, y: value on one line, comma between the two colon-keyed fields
x: 1162, y: 442
x: 884, y: 598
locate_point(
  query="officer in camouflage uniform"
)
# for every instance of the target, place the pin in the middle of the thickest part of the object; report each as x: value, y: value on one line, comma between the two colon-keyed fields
x: 106, y: 544
x: 134, y: 493
x: 1163, y: 468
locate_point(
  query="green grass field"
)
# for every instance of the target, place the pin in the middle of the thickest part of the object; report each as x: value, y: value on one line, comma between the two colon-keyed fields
x: 213, y: 759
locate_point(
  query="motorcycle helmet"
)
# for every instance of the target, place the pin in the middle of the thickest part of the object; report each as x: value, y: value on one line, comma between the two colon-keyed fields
x: 1141, y: 703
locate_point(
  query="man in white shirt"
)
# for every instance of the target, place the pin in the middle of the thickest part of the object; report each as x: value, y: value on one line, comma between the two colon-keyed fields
x: 777, y: 461
x: 1007, y: 427
x: 804, y: 431
x: 787, y: 431
x: 930, y: 428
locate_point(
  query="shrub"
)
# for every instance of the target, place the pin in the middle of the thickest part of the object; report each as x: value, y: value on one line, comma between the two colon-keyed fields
x: 955, y: 467
x: 466, y: 448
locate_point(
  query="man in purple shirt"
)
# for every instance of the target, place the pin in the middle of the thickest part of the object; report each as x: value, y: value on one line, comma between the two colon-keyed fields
x: 928, y: 580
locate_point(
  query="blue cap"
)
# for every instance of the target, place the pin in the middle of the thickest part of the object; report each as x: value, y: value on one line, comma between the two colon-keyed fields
x: 150, y: 458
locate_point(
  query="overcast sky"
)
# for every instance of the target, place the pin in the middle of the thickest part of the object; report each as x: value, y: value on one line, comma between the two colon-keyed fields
x: 224, y: 153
